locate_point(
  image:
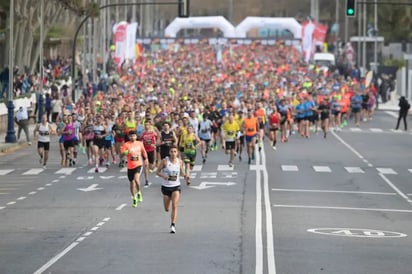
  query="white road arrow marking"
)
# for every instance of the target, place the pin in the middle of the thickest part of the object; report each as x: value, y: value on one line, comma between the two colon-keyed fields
x: 92, y: 187
x: 205, y: 185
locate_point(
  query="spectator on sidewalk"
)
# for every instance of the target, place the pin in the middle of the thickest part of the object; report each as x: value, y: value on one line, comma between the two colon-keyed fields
x: 22, y: 120
x: 404, y: 107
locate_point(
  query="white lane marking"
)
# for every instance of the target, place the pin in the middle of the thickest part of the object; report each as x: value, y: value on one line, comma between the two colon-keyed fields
x: 410, y: 170
x: 206, y: 175
x: 355, y: 129
x: 106, y: 219
x: 11, y: 203
x: 88, y: 233
x: 80, y: 239
x: 100, y: 224
x: 269, y: 224
x: 322, y: 169
x: 391, y: 113
x: 101, y: 170
x: 370, y: 165
x: 224, y: 168
x: 377, y: 130
x: 33, y: 192
x: 396, y: 131
x: 289, y: 168
x: 48, y: 184
x: 386, y: 171
x: 66, y: 170
x: 345, y: 208
x: 33, y: 171
x: 62, y: 177
x: 197, y: 168
x: 258, y: 225
x: 124, y: 169
x: 365, y: 161
x: 332, y: 191
x: 56, y: 258
x: 380, y: 173
x: 2, y: 207
x: 354, y: 170
x: 21, y: 198
x: 55, y: 181
x: 40, y: 188
x: 5, y: 171
x: 120, y: 207
x: 347, y: 145
x: 94, y: 228
x: 403, y: 195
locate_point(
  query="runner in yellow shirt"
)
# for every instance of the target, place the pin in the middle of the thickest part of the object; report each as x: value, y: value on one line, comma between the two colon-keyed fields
x: 230, y: 128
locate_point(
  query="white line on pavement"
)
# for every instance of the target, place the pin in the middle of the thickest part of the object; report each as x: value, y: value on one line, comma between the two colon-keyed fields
x: 11, y: 203
x: 120, y: 207
x: 345, y: 208
x: 332, y: 191
x: 381, y: 171
x: 258, y: 226
x: 33, y: 192
x: 2, y: 207
x: 391, y: 113
x: 56, y: 258
x: 269, y: 226
x: 21, y: 198
x: 403, y: 195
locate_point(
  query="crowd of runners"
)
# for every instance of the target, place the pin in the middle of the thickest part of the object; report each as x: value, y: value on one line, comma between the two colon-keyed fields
x: 182, y: 100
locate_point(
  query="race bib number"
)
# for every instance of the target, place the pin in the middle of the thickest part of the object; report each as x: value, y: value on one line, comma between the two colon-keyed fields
x: 134, y: 158
x: 172, y: 178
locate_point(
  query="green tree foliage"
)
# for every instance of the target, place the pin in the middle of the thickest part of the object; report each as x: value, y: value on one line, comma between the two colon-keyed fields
x: 395, y: 22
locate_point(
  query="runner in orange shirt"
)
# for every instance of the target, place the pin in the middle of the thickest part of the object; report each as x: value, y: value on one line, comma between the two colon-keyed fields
x: 250, y: 127
x: 136, y: 158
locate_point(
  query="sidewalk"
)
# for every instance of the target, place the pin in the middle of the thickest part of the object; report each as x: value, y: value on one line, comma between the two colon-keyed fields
x: 11, y: 147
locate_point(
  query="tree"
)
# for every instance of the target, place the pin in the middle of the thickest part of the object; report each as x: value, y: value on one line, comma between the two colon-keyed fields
x: 27, y: 25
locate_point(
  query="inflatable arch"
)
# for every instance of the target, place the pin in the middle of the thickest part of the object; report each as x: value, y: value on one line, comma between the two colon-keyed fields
x: 251, y: 22
x: 200, y: 22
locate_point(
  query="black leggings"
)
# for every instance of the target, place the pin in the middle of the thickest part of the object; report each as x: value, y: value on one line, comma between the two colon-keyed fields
x: 402, y: 115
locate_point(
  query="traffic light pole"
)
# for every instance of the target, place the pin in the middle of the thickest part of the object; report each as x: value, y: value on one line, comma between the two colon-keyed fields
x: 183, y: 5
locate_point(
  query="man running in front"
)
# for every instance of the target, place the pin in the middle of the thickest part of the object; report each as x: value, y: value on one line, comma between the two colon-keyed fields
x: 136, y: 158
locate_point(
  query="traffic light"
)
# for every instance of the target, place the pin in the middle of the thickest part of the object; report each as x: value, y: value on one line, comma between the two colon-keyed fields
x: 183, y: 9
x: 350, y: 8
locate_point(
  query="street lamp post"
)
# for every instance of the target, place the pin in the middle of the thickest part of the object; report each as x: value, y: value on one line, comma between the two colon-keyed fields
x: 11, y: 134
x: 41, y: 96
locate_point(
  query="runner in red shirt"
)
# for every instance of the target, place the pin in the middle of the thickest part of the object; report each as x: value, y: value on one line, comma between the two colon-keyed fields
x: 149, y: 138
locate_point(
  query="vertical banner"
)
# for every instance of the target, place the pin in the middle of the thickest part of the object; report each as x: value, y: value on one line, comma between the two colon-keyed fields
x: 308, y: 28
x: 319, y: 36
x: 131, y: 31
x: 120, y: 33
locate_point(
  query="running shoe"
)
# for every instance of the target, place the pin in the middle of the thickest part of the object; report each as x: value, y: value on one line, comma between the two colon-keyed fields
x: 230, y: 164
x: 249, y: 161
x: 96, y: 170
x: 172, y: 229
x: 204, y: 160
x: 147, y: 184
x: 240, y: 157
x: 274, y: 147
x: 134, y: 201
x: 139, y: 197
x: 253, y: 155
x: 41, y: 160
x: 44, y: 166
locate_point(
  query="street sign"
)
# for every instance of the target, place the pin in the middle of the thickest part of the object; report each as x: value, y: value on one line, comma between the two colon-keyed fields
x: 357, y: 232
x: 205, y: 185
x: 92, y: 187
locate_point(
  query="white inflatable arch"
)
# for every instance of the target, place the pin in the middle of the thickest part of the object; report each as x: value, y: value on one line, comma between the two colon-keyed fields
x: 251, y: 22
x: 201, y: 22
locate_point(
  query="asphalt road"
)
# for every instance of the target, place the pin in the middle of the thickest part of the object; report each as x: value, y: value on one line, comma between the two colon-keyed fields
x: 339, y: 205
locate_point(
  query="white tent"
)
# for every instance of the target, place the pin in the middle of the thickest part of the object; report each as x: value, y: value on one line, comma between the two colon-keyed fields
x: 201, y: 22
x: 251, y: 22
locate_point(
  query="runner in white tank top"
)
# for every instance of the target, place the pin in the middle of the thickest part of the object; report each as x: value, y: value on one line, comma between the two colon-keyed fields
x: 169, y: 171
x: 44, y: 130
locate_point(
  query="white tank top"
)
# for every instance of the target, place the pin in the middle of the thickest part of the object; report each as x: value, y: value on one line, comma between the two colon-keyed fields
x: 173, y: 171
x: 44, y: 133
